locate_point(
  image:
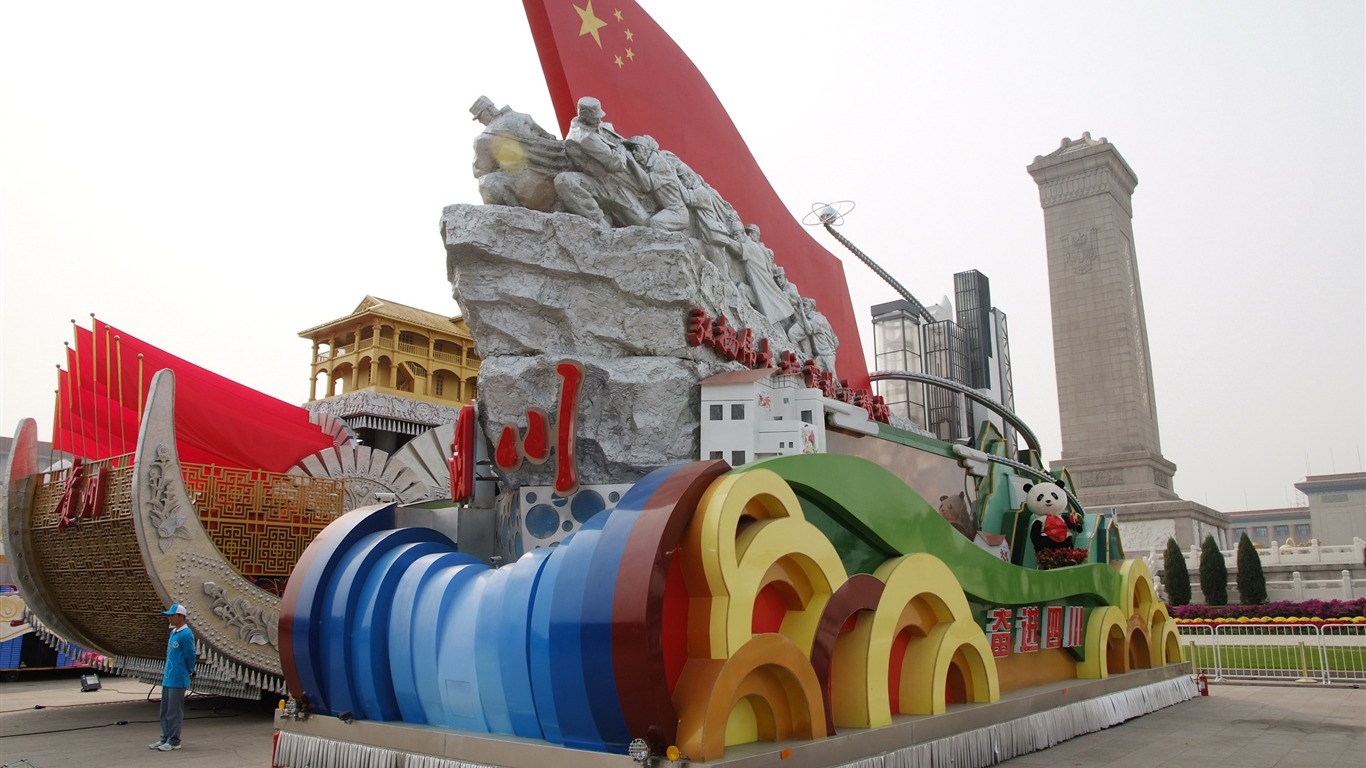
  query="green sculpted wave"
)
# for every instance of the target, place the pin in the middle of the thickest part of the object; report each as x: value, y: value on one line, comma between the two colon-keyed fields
x: 871, y: 515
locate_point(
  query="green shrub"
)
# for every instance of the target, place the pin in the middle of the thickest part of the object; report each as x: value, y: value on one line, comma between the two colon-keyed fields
x: 1213, y: 573
x: 1175, y: 575
x: 1251, y: 580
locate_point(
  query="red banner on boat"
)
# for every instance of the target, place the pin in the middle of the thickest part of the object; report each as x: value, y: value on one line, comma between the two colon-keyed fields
x: 218, y: 421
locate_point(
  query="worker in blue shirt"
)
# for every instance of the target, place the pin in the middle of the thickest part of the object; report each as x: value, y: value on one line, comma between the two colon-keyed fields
x: 176, y: 679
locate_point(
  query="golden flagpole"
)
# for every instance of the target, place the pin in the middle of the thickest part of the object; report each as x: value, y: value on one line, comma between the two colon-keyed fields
x: 80, y: 408
x: 58, y: 427
x: 118, y: 352
x: 108, y: 380
x: 139, y: 391
x: 95, y: 377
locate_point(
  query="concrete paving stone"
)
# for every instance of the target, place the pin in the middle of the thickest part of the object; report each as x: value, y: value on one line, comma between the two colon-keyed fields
x: 1235, y: 727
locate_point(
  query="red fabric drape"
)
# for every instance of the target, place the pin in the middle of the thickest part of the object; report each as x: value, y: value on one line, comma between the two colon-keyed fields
x: 647, y: 85
x: 217, y: 420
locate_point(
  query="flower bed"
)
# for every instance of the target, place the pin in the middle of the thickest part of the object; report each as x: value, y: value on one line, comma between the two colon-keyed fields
x: 1279, y: 612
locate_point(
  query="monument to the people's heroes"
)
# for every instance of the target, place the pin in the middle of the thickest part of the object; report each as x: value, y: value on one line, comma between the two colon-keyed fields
x: 1100, y: 349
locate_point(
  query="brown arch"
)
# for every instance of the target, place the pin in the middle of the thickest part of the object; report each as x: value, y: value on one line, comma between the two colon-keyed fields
x: 1116, y: 654
x: 860, y: 593
x: 638, y: 658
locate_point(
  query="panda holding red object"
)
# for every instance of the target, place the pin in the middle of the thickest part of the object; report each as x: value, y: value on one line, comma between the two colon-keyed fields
x: 1054, y: 522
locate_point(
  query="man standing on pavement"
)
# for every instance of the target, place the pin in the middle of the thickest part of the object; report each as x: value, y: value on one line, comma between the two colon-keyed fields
x: 175, y: 680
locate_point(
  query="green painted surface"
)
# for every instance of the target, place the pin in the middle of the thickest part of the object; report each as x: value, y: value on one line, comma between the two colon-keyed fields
x: 884, y: 516
x: 913, y: 439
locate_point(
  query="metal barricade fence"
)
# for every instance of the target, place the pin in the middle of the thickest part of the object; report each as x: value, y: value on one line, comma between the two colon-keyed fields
x: 1301, y: 653
x: 1198, y: 640
x: 1344, y: 647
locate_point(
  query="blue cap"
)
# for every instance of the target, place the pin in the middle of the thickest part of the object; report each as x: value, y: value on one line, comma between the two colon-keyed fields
x: 173, y: 610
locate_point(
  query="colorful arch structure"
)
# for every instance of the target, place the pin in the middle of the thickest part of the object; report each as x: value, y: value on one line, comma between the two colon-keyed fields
x: 705, y: 610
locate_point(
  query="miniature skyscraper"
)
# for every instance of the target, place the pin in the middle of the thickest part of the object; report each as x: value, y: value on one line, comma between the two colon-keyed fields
x: 1100, y: 348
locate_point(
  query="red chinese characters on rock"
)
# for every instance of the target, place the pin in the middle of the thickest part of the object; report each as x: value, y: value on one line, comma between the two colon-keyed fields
x: 461, y: 463
x: 739, y: 344
x: 541, y: 439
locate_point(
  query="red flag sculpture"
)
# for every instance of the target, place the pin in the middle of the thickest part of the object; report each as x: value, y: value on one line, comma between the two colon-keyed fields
x: 614, y: 51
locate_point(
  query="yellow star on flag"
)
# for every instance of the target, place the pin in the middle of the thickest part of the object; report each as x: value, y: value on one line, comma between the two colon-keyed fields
x: 619, y: 62
x: 591, y: 23
x: 617, y: 14
x: 630, y: 54
x: 630, y: 35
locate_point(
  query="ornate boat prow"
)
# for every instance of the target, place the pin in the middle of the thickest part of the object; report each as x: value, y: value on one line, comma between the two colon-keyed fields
x: 99, y: 549
x: 235, y: 621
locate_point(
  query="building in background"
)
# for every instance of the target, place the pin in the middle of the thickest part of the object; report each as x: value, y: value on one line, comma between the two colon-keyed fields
x: 969, y: 347
x: 1265, y: 526
x: 391, y: 371
x: 1108, y: 413
x: 1337, y: 506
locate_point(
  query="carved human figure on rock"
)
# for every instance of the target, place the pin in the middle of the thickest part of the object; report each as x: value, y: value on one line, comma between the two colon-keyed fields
x: 659, y: 178
x: 714, y: 220
x: 515, y: 159
x: 813, y: 334
x: 602, y: 186
x: 760, y: 285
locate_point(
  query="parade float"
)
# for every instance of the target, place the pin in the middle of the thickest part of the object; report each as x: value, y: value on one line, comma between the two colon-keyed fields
x: 678, y: 525
x: 714, y: 542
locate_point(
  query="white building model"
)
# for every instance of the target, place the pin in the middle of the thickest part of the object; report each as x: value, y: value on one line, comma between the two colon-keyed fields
x: 754, y: 414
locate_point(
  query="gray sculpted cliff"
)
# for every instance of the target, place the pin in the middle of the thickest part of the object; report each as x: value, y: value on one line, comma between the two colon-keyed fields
x: 537, y: 288
x: 596, y: 249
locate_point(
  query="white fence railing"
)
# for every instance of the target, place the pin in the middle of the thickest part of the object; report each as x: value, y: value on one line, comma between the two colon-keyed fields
x: 1296, y: 588
x: 1312, y: 553
x: 1300, y: 653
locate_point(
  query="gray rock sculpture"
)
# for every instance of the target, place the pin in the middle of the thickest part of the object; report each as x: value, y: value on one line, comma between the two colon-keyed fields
x: 538, y: 288
x: 610, y: 282
x: 515, y: 159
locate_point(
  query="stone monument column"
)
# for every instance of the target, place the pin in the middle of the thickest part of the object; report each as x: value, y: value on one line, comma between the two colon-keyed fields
x: 1110, y: 440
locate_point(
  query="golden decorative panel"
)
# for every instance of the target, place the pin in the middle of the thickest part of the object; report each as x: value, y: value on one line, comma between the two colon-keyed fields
x: 262, y: 521
x: 94, y: 568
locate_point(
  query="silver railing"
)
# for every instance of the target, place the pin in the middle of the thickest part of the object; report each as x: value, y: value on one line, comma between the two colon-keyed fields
x: 1298, y: 653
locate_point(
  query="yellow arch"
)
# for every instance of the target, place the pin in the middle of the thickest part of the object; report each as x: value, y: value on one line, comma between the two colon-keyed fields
x: 769, y: 670
x: 1165, y: 638
x: 920, y: 592
x: 1105, y: 624
x: 725, y: 566
x: 1137, y: 590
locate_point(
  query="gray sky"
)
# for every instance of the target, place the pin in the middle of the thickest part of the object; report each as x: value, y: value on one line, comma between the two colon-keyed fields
x: 215, y: 179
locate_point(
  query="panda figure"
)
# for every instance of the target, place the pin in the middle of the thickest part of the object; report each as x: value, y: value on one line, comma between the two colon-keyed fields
x: 1054, y: 522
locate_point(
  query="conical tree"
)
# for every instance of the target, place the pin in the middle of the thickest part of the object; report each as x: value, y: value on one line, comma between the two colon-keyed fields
x: 1175, y: 575
x: 1213, y: 573
x: 1251, y: 580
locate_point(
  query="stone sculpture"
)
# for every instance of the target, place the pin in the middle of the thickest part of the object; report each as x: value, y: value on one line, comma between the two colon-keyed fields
x: 515, y: 159
x: 659, y: 178
x: 605, y: 185
x: 813, y: 334
x: 609, y: 286
x: 763, y: 292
